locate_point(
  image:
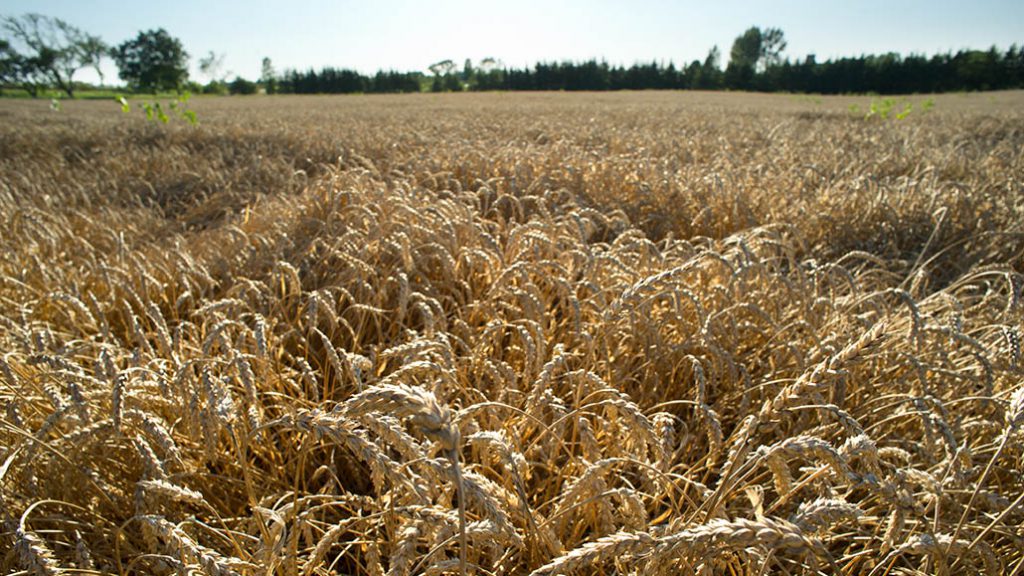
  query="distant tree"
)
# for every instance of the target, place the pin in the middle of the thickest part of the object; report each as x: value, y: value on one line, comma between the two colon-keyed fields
x: 153, y: 61
x: 807, y: 75
x: 746, y: 49
x: 488, y: 65
x: 978, y: 70
x: 773, y: 43
x: 241, y: 86
x: 488, y: 75
x: 442, y: 68
x: 710, y: 72
x: 452, y: 83
x: 1013, y: 62
x: 9, y: 63
x: 753, y: 52
x: 211, y: 66
x: 758, y: 49
x: 670, y: 77
x: 444, y: 76
x: 711, y: 62
x: 268, y: 77
x: 214, y: 87
x: 692, y: 75
x: 48, y: 51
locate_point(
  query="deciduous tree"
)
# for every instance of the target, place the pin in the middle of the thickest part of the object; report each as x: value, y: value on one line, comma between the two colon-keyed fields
x: 152, y: 61
x: 45, y: 51
x: 757, y: 49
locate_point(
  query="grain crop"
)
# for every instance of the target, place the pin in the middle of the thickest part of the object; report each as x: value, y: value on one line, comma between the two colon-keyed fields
x: 512, y: 334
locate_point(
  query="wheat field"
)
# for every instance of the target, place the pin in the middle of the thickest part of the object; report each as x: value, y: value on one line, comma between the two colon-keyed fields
x: 647, y: 333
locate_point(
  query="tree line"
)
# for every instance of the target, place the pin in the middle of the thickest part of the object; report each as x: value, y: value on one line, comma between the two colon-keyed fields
x: 39, y: 52
x: 341, y: 81
x: 965, y: 70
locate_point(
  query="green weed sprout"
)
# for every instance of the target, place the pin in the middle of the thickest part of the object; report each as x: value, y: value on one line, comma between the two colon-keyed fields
x: 887, y: 106
x: 155, y: 111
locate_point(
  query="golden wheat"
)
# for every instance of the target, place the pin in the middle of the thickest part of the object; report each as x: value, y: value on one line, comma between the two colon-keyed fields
x: 497, y: 334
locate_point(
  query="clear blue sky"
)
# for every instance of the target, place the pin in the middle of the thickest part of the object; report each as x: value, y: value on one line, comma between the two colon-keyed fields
x: 411, y: 34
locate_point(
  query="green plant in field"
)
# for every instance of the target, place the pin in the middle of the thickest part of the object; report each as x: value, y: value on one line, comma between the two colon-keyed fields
x: 887, y: 107
x: 156, y: 111
x: 881, y: 108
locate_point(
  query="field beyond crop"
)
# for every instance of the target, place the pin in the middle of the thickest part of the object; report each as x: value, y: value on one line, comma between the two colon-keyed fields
x: 646, y: 333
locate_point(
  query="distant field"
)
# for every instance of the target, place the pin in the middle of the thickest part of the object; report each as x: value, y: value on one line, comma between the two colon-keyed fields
x: 514, y: 333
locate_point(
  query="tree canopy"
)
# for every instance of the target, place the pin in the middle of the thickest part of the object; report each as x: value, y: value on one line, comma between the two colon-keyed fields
x: 746, y: 49
x: 8, y: 62
x: 39, y: 51
x: 753, y: 52
x: 212, y: 67
x: 757, y: 49
x: 152, y: 61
